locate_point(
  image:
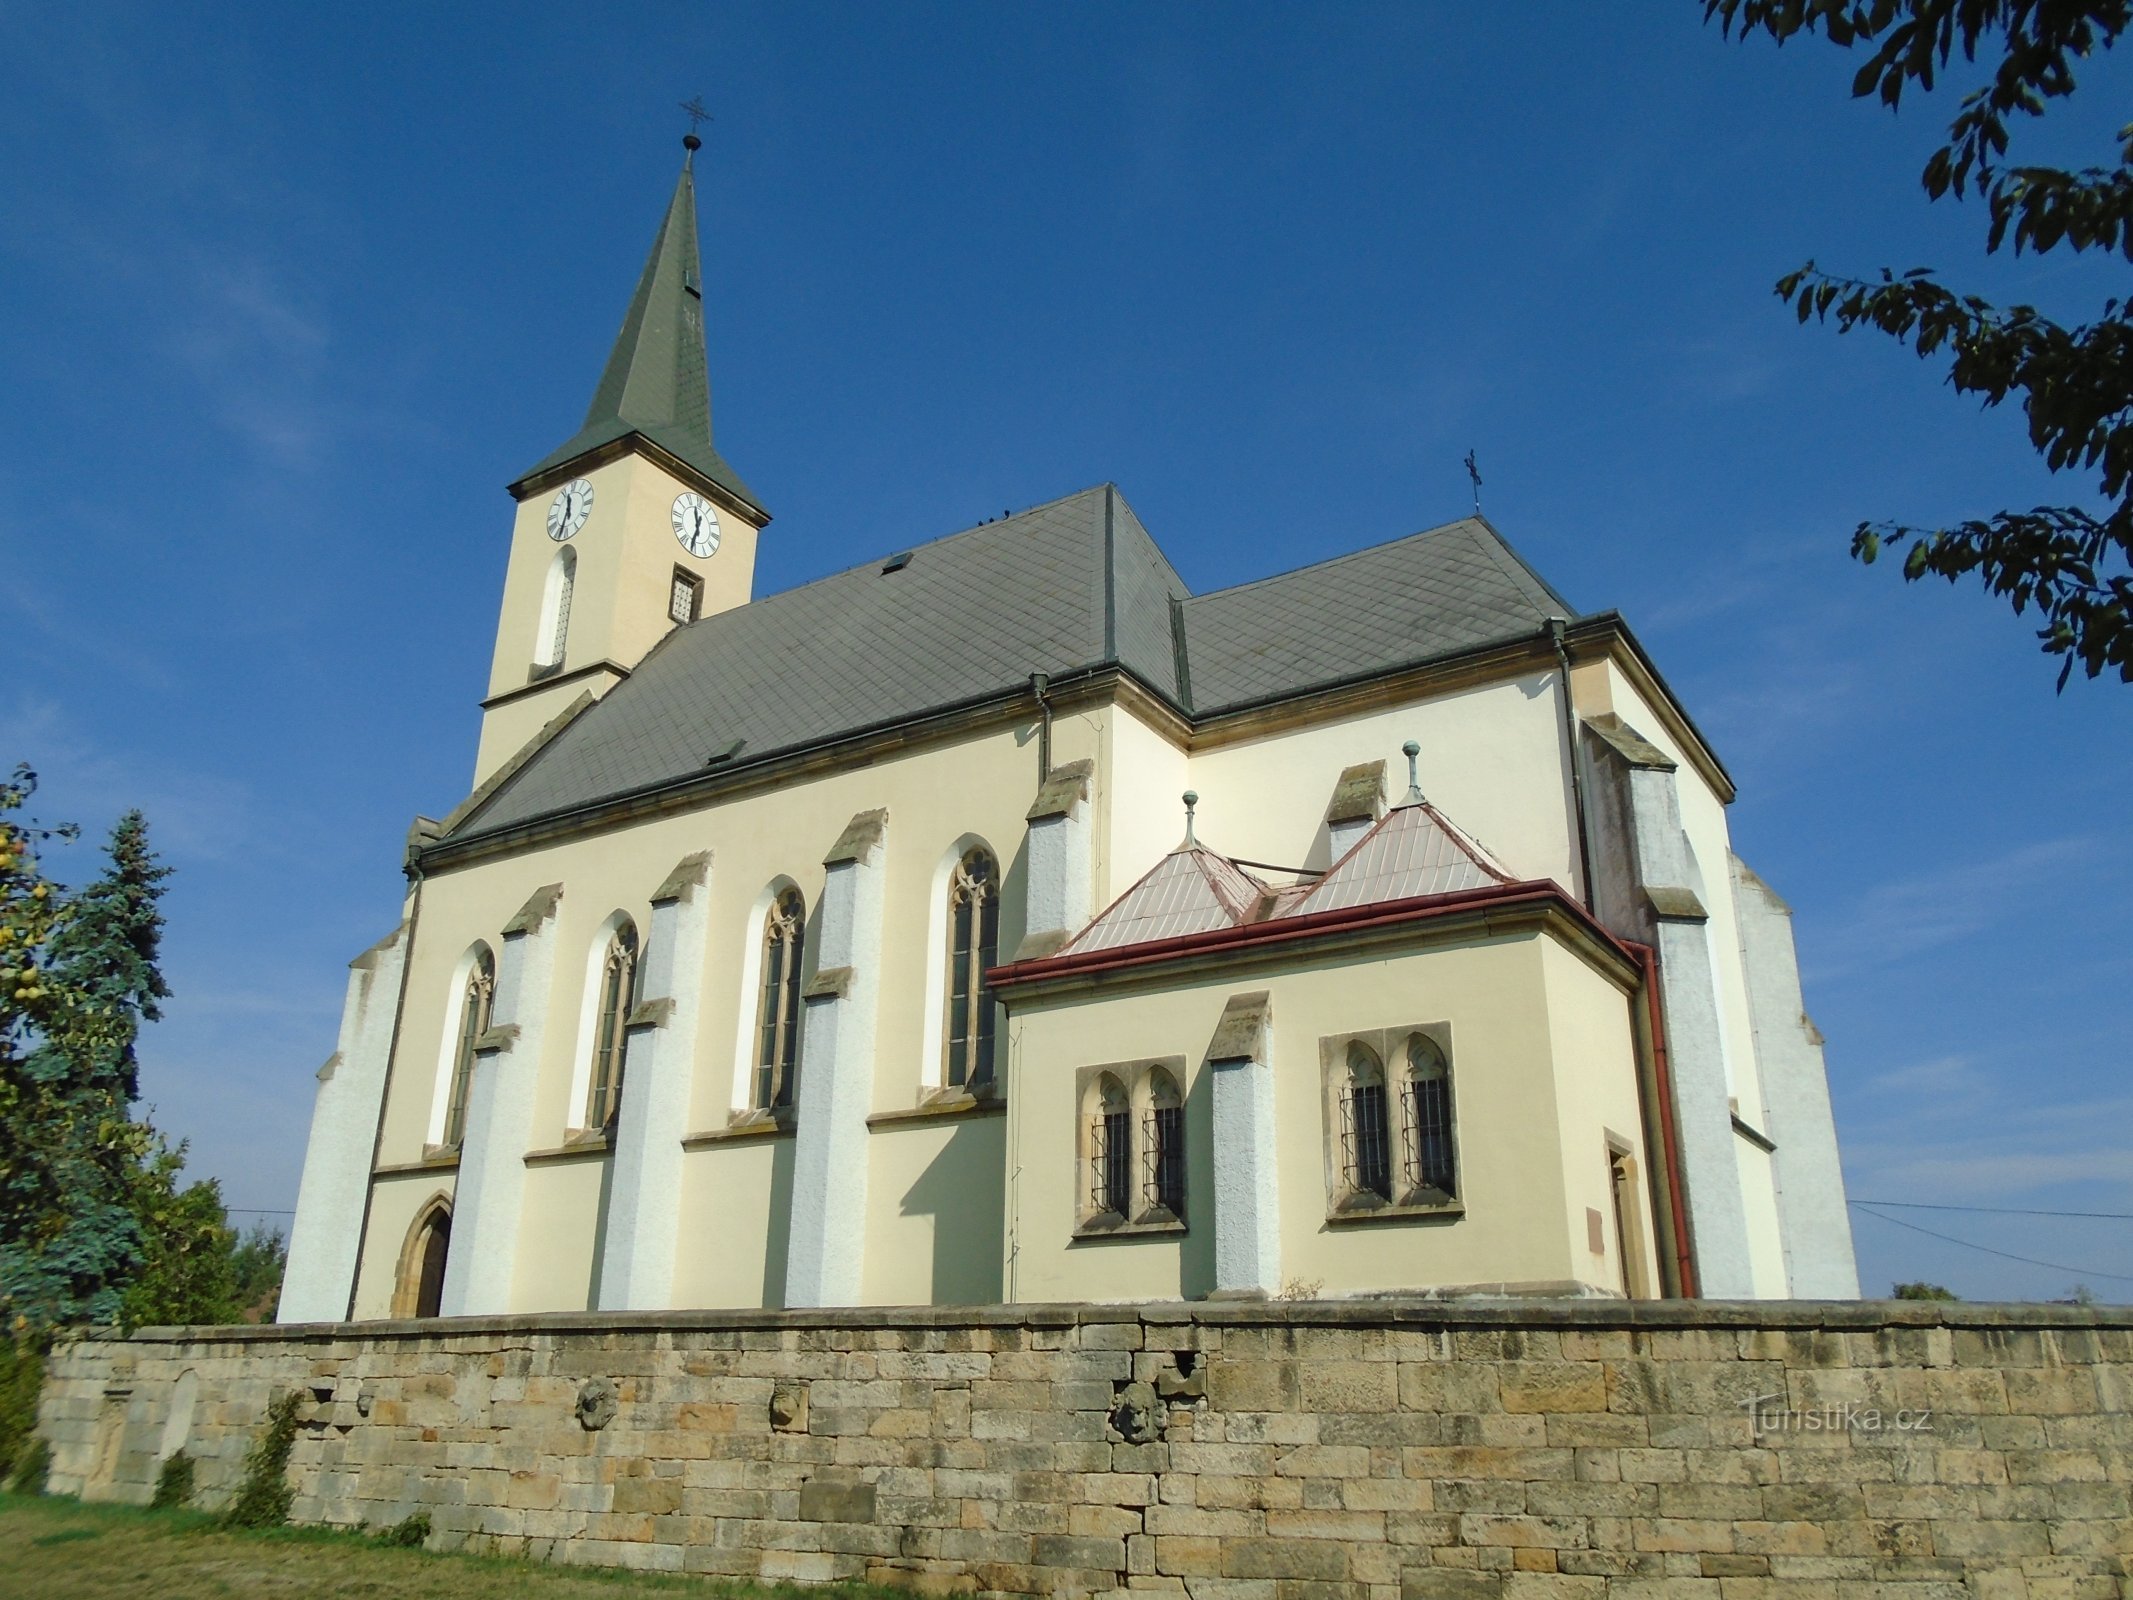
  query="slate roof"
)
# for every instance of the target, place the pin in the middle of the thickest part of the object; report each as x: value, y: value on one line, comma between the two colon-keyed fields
x: 656, y: 382
x: 1074, y: 584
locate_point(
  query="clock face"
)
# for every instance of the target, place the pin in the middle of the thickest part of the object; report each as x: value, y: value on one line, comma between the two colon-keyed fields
x: 695, y: 524
x: 567, y: 512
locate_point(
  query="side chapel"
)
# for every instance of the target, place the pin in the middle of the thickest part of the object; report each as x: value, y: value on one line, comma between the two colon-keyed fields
x: 1000, y: 920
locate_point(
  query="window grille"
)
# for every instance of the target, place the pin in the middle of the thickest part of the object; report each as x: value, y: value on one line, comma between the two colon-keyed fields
x: 1164, y: 1159
x: 1118, y: 1162
x: 474, y: 1004
x: 974, y: 946
x: 778, y: 1022
x: 685, y: 598
x: 618, y: 986
x: 1366, y: 1145
x: 1426, y: 1151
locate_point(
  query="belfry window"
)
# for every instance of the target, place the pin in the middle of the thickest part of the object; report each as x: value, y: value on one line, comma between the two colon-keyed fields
x: 618, y: 992
x: 1164, y: 1147
x: 1426, y: 1142
x: 777, y: 1070
x: 685, y: 596
x: 475, y: 1000
x: 554, y: 635
x: 1366, y: 1144
x: 973, y: 946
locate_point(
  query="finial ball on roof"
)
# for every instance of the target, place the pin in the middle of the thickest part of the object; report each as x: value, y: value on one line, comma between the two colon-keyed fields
x: 1410, y: 749
x: 691, y: 143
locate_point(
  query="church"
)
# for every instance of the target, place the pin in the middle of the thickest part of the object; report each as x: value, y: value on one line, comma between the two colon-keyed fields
x: 1002, y: 921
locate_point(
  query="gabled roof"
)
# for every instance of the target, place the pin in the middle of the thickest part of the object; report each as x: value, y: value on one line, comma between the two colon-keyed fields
x: 1077, y: 583
x: 1414, y: 850
x: 1191, y: 890
x: 1071, y: 584
x: 1424, y: 596
x: 656, y: 383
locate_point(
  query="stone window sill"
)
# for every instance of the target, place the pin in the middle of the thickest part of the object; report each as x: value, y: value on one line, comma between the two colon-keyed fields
x: 578, y: 1142
x: 1424, y: 1206
x: 942, y: 1105
x: 435, y: 1158
x: 756, y: 1123
x: 1156, y: 1222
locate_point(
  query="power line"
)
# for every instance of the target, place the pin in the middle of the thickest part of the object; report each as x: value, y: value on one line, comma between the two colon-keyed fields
x: 1998, y: 1211
x: 2030, y: 1261
x: 256, y: 1211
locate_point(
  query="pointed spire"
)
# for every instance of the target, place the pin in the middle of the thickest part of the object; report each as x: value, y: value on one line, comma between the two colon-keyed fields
x: 656, y: 383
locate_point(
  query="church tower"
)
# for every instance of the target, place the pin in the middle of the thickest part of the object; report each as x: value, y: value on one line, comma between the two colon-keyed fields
x: 633, y: 526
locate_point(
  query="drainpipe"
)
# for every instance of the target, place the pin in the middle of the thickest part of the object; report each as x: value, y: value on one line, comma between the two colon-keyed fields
x: 1038, y: 683
x: 1669, y: 1140
x: 1570, y: 753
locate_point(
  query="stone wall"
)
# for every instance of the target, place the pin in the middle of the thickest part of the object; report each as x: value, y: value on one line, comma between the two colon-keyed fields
x: 1388, y: 1450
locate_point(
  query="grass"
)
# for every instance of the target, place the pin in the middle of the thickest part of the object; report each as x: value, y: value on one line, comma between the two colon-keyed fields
x: 58, y: 1549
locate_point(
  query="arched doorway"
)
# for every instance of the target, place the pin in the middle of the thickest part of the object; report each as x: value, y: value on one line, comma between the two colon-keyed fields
x: 419, y: 1289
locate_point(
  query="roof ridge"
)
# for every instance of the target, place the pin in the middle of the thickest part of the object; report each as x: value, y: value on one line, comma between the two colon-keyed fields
x: 1347, y: 555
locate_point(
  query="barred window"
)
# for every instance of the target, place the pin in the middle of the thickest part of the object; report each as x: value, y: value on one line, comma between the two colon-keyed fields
x: 1111, y: 1150
x: 777, y: 1073
x: 1426, y: 1143
x: 618, y: 992
x: 1366, y: 1145
x: 474, y: 1003
x: 1164, y: 1146
x: 973, y: 946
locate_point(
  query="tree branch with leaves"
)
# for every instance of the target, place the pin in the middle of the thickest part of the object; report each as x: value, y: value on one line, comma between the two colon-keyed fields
x: 2074, y: 384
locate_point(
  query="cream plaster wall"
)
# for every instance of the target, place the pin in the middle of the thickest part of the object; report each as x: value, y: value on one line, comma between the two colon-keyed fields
x: 559, y: 1235
x: 1140, y: 813
x: 735, y: 1197
x: 1766, y: 1243
x: 1515, y: 1007
x: 934, y: 1212
x: 1594, y: 1048
x: 395, y: 1201
x: 935, y: 798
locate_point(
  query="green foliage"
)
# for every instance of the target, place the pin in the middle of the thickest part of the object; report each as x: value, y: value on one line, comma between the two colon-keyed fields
x: 1922, y: 1291
x: 32, y: 1466
x: 21, y: 1384
x: 409, y: 1533
x: 265, y: 1495
x: 174, y: 1483
x: 187, y: 1271
x: 2075, y: 384
x: 257, y: 1263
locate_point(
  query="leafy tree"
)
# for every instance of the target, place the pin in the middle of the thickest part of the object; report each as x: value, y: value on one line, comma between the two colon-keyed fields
x: 1922, y: 1291
x: 187, y: 1271
x: 70, y: 1235
x: 2075, y: 384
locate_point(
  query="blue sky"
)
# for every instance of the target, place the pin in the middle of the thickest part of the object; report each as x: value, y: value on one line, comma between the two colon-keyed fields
x: 292, y: 292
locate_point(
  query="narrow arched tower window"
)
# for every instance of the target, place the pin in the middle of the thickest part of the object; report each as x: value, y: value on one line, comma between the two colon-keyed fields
x: 973, y: 946
x: 1427, y: 1119
x: 618, y: 992
x: 777, y: 1072
x: 1164, y: 1147
x: 554, y: 635
x: 474, y: 1004
x: 1366, y: 1144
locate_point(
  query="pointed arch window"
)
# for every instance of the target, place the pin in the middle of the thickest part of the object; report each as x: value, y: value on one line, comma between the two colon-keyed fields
x: 475, y: 1001
x: 1163, y: 1148
x: 418, y: 1288
x: 618, y: 992
x: 777, y: 1072
x: 1111, y: 1150
x: 555, y: 609
x: 1426, y: 1143
x: 973, y: 947
x: 1366, y: 1143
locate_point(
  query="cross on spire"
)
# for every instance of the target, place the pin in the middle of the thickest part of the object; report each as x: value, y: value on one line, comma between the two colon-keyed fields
x: 693, y: 109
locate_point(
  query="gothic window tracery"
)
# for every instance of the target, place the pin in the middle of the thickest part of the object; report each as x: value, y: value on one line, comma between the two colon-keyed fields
x: 973, y: 946
x: 778, y: 1015
x: 618, y: 992
x: 475, y: 1001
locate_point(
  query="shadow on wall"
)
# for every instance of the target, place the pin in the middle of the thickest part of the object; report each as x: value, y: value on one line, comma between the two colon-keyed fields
x: 961, y: 1190
x: 1196, y: 1251
x: 778, y: 1231
x: 599, y: 1242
